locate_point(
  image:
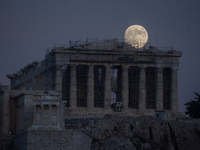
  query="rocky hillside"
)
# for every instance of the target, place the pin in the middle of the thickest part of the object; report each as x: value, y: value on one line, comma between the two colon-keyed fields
x: 138, y: 133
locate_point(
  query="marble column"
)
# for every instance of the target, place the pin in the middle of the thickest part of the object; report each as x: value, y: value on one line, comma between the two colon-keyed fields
x: 142, y: 89
x: 42, y: 112
x: 125, y: 87
x: 107, y: 103
x: 90, y: 93
x: 50, y: 114
x: 159, y: 89
x: 34, y: 113
x: 58, y: 114
x: 58, y: 80
x: 73, y: 87
x: 174, y: 89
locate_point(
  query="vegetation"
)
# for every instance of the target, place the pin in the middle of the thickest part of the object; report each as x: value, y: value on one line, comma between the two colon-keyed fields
x: 193, y: 107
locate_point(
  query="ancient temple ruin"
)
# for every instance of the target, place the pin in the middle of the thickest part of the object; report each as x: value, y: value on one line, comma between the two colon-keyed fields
x: 91, y: 79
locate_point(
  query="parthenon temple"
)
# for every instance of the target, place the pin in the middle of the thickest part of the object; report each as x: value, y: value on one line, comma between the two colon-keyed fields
x: 99, y: 78
x: 92, y: 79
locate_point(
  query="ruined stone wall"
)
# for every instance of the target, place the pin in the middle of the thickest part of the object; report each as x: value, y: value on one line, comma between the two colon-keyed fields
x: 24, y: 111
x: 7, y: 110
x: 4, y: 112
x: 16, y: 110
x: 32, y: 140
x: 145, y: 132
x: 30, y: 77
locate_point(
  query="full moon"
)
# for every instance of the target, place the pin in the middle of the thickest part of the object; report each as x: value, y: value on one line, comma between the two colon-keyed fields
x: 136, y: 36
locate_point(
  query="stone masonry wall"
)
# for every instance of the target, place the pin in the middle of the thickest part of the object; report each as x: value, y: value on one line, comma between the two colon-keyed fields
x: 111, y: 132
x: 51, y: 140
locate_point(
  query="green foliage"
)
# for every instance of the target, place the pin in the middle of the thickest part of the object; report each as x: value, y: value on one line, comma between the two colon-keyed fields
x: 193, y: 107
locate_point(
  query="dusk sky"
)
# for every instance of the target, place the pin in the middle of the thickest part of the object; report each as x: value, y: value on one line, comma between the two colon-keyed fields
x: 29, y: 27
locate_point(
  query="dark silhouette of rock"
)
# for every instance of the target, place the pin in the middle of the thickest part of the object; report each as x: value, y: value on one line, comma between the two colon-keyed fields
x: 138, y: 133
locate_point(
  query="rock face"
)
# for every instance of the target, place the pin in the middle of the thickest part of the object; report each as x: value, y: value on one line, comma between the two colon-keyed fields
x: 113, y: 132
x: 148, y: 133
x: 6, y: 141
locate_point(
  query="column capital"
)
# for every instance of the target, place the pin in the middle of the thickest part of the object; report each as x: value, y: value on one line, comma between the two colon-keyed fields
x: 108, y: 66
x: 175, y: 68
x: 58, y: 66
x: 126, y: 66
x: 159, y: 64
x: 91, y: 65
x: 57, y: 105
x: 73, y: 65
x: 160, y: 70
x: 142, y: 68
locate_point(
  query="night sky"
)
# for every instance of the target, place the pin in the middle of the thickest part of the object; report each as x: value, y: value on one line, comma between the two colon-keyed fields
x: 29, y: 27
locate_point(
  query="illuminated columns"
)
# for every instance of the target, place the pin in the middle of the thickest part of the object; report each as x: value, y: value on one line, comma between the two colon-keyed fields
x: 125, y: 86
x: 107, y: 103
x: 174, y: 89
x: 48, y: 114
x: 73, y: 88
x: 142, y: 89
x: 159, y: 89
x: 90, y: 91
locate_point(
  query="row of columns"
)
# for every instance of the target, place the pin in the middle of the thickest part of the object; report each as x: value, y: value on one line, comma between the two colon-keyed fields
x: 42, y: 114
x: 125, y: 88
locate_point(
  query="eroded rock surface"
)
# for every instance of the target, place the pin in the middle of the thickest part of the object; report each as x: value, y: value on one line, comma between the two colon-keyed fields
x: 138, y: 133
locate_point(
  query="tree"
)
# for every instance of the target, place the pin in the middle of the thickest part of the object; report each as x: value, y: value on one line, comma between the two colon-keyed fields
x: 193, y: 107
